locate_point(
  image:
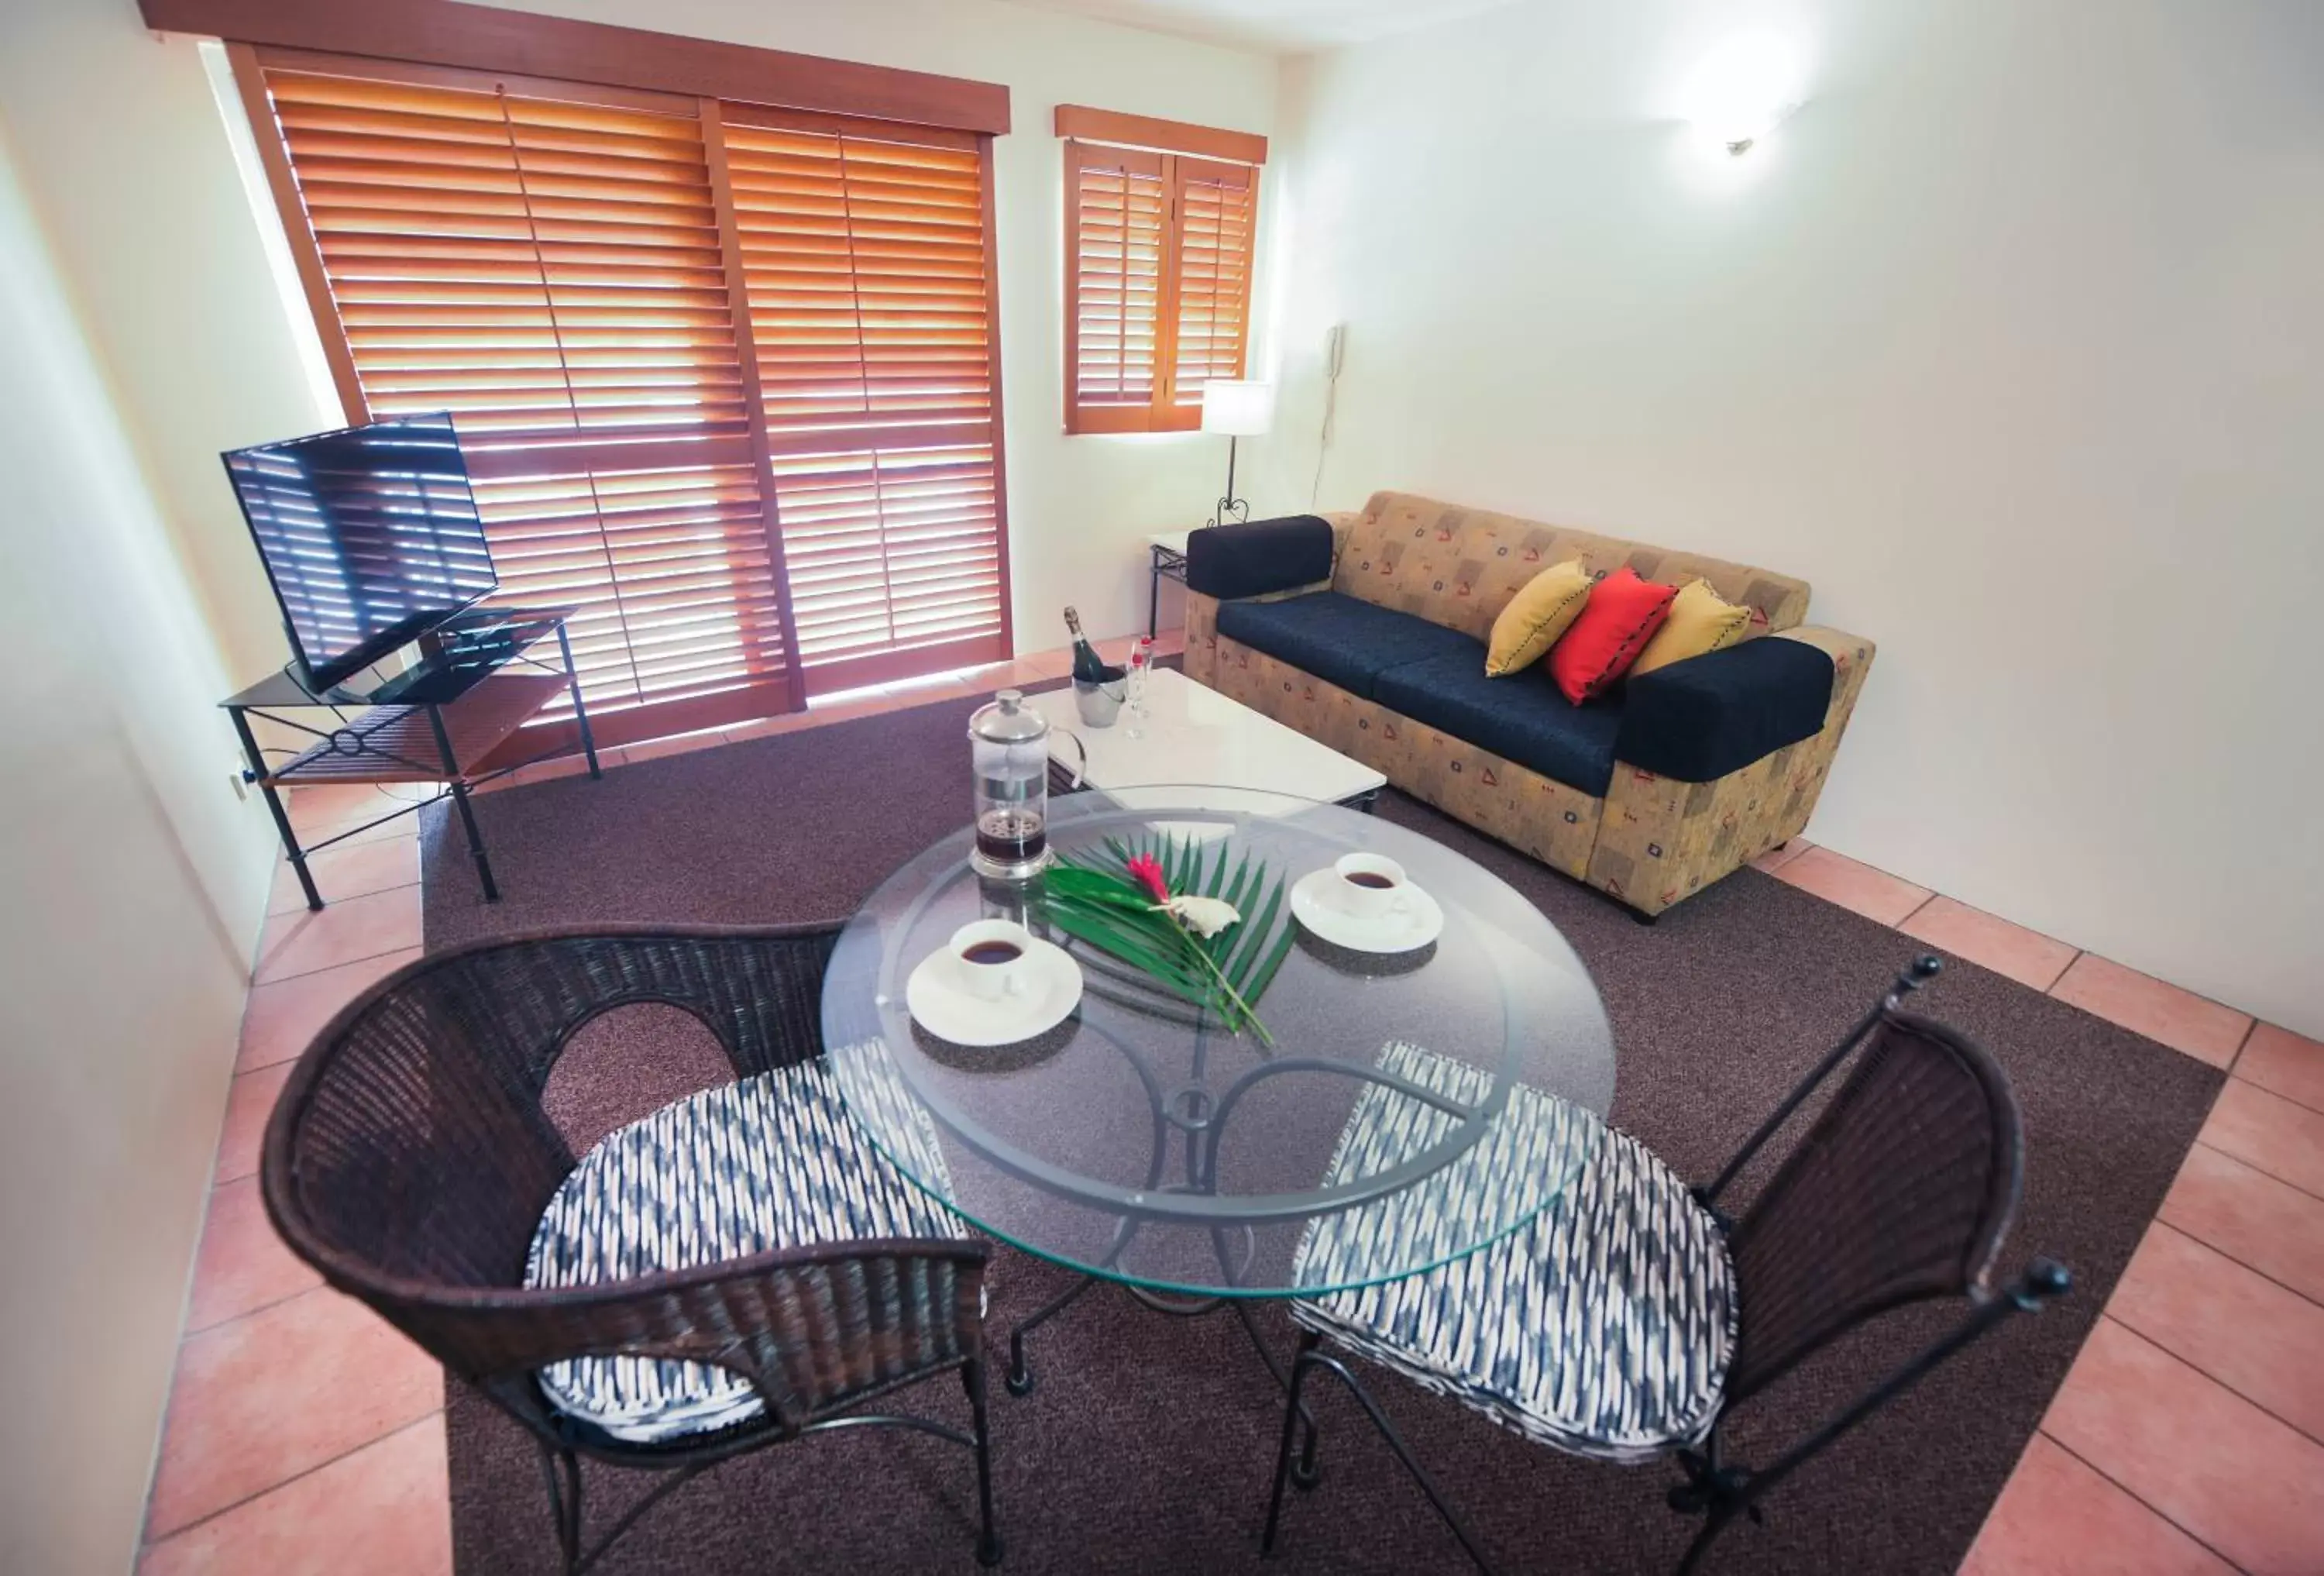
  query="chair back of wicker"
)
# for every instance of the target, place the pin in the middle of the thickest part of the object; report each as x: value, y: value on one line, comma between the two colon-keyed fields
x: 1901, y: 1190
x: 410, y: 1159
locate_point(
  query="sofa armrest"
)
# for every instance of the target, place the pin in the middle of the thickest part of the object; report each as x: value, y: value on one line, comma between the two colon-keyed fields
x: 1662, y: 837
x: 1851, y: 658
x: 1228, y: 562
x: 1698, y: 720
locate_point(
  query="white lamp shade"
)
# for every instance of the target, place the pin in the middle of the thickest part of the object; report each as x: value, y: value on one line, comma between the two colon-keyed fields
x: 1237, y: 410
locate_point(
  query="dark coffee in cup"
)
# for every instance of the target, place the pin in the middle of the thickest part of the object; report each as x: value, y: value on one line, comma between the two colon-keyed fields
x: 993, y: 952
x: 1367, y: 878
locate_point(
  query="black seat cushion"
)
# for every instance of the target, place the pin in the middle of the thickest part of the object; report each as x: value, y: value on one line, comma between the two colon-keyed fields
x: 1700, y: 719
x: 1344, y: 640
x: 1521, y: 718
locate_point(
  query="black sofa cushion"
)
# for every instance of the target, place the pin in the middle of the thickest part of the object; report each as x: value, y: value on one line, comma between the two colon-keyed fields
x: 1718, y: 713
x: 1521, y: 718
x: 1251, y: 559
x: 1343, y: 639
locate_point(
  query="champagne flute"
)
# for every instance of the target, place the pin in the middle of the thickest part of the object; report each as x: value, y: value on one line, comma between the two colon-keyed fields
x: 1141, y: 663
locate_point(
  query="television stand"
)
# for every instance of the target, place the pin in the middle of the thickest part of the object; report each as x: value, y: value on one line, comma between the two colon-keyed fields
x: 478, y: 682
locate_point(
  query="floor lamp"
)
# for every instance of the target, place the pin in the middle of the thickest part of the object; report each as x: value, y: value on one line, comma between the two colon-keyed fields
x: 1239, y: 410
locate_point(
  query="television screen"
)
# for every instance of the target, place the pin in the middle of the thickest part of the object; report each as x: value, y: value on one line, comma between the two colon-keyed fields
x: 370, y: 536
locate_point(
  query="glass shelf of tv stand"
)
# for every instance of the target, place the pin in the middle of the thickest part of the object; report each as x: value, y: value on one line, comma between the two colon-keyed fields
x: 518, y: 627
x: 432, y: 731
x: 468, y: 701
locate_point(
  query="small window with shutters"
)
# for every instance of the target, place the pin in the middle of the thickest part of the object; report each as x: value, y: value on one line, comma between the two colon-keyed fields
x: 1161, y: 225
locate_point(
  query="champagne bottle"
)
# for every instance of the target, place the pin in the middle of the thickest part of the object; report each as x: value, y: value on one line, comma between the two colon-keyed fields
x: 1089, y: 668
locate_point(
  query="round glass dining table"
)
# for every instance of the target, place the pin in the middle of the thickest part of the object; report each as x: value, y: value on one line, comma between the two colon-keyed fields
x: 1397, y: 1111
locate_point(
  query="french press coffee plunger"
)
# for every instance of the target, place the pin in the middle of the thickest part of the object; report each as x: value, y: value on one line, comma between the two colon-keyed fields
x: 1008, y: 748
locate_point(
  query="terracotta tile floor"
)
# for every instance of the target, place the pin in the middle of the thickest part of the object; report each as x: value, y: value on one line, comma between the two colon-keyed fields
x: 303, y: 1436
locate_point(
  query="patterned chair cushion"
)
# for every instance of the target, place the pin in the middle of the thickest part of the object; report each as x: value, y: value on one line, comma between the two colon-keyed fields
x: 1603, y: 1326
x: 774, y: 1161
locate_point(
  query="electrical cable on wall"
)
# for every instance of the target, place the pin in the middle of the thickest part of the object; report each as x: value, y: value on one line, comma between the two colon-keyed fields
x: 1335, y: 348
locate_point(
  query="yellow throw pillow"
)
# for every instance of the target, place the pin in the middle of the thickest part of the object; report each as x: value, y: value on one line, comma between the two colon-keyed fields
x: 1543, y: 609
x: 1700, y: 620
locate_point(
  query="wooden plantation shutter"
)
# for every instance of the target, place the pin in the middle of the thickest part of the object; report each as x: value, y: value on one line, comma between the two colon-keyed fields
x: 1117, y: 207
x: 867, y: 271
x: 1161, y: 232
x: 1215, y: 206
x: 549, y: 270
x: 582, y: 276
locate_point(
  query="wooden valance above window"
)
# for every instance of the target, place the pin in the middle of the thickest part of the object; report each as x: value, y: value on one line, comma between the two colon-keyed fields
x: 486, y: 38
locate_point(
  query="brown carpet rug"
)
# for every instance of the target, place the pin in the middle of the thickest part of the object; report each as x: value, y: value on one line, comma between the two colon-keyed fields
x: 1146, y: 1446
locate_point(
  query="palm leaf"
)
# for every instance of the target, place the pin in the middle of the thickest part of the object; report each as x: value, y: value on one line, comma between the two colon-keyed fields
x: 1242, y: 876
x: 1163, y: 968
x: 1265, y: 977
x: 1093, y: 900
x: 1252, y: 937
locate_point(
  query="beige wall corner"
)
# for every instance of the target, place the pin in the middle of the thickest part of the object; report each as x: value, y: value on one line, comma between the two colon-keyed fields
x: 135, y: 882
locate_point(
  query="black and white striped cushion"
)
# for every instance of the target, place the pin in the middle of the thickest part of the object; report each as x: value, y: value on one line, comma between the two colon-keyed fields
x: 774, y: 1161
x: 1603, y: 1326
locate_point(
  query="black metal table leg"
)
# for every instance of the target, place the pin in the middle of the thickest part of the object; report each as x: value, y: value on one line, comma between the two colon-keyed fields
x: 1018, y: 1381
x: 459, y: 790
x: 580, y: 712
x: 274, y: 807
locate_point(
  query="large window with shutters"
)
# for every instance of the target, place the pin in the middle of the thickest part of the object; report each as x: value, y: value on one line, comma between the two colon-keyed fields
x: 1161, y: 221
x: 725, y: 376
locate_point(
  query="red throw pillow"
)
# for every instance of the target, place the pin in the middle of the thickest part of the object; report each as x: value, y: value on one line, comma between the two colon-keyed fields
x: 1622, y: 614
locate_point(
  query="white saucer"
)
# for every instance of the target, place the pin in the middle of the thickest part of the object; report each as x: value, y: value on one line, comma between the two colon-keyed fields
x: 1053, y: 990
x: 1407, y: 930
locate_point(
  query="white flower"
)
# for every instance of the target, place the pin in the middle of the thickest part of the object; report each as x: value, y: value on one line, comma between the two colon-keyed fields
x: 1206, y: 917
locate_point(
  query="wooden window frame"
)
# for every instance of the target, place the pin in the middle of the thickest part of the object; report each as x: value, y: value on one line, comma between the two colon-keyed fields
x: 1180, y: 151
x: 441, y: 43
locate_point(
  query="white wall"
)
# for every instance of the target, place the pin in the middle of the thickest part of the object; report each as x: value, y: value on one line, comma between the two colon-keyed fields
x: 2012, y: 343
x: 120, y: 142
x: 120, y: 136
x: 134, y: 882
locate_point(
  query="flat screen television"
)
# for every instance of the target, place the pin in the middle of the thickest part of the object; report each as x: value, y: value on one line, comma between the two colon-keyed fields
x: 369, y: 535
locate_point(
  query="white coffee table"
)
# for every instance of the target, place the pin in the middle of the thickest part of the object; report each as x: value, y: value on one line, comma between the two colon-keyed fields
x: 1193, y: 734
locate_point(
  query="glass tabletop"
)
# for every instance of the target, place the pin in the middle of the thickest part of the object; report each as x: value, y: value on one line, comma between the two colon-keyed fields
x: 1412, y: 1108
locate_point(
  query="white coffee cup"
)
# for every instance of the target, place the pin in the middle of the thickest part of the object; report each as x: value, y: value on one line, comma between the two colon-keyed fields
x: 992, y: 958
x: 1371, y: 886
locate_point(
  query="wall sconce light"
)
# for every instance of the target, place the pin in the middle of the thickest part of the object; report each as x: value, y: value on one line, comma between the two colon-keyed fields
x: 1745, y: 91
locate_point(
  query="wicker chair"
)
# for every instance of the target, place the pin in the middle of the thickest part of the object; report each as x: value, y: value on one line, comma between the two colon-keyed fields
x: 409, y: 1161
x: 1631, y: 1318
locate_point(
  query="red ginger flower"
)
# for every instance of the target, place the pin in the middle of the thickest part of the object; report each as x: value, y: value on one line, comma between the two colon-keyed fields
x: 1146, y: 871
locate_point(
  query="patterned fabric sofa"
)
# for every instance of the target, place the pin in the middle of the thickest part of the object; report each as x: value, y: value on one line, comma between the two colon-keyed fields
x: 1393, y: 623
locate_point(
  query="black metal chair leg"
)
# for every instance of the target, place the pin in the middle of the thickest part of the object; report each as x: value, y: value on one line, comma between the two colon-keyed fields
x: 562, y: 1473
x: 1305, y: 1473
x: 1019, y: 1378
x: 988, y: 1539
x: 1307, y: 1343
x: 1303, y: 1476
x: 1310, y: 1358
x: 1711, y: 1528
